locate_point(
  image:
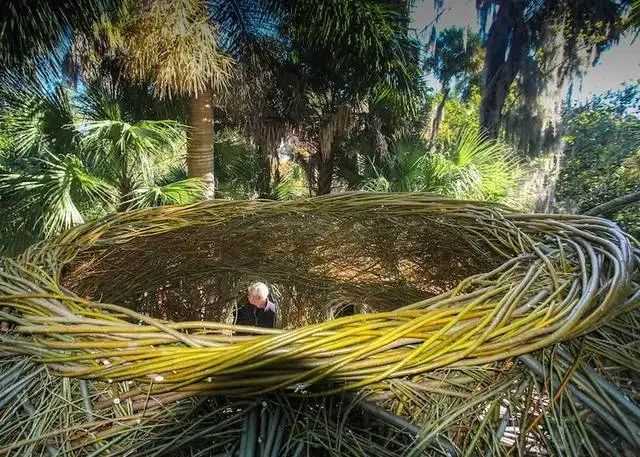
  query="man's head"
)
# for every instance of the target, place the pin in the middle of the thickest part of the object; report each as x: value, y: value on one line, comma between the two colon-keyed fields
x: 257, y: 294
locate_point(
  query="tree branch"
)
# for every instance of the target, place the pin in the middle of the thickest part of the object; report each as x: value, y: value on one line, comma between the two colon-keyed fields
x: 612, y: 205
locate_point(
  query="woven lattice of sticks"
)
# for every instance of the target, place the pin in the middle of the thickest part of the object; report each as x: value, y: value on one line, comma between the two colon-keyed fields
x: 146, y: 296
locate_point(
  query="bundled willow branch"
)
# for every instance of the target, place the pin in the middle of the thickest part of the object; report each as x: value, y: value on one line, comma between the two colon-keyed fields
x: 551, y: 278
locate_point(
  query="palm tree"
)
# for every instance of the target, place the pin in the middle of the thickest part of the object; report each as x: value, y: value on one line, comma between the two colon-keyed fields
x: 122, y: 151
x: 175, y: 45
x: 455, y: 62
x: 471, y: 167
x: 187, y: 49
x: 35, y: 28
x: 351, y: 52
x: 262, y: 92
x: 71, y: 157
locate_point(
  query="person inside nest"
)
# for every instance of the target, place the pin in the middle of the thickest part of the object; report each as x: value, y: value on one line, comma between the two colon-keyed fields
x: 256, y: 310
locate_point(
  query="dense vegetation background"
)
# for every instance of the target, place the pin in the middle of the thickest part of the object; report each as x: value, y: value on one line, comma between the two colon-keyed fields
x: 117, y: 105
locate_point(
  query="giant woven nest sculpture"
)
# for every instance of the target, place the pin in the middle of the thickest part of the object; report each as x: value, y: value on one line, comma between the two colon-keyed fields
x: 141, y: 302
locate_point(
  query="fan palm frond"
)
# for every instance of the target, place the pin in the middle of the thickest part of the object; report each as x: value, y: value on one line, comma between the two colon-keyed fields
x: 38, y: 115
x: 175, y: 193
x: 474, y: 167
x: 97, y: 104
x: 124, y: 151
x: 49, y: 197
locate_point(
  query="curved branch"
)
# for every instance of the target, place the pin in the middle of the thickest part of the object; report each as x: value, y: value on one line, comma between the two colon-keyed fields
x: 612, y: 205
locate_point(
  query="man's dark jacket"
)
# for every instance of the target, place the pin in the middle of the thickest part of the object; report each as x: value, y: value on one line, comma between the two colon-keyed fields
x: 247, y: 314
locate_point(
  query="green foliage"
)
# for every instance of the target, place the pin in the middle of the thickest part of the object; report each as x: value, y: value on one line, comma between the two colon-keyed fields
x: 292, y: 183
x: 461, y: 113
x: 236, y: 165
x: 123, y: 151
x: 367, y: 42
x: 43, y: 196
x: 68, y: 158
x: 457, y: 58
x: 374, y: 62
x: 172, y: 193
x: 470, y: 167
x: 403, y: 171
x: 31, y: 29
x: 474, y: 167
x: 602, y: 153
x: 35, y: 120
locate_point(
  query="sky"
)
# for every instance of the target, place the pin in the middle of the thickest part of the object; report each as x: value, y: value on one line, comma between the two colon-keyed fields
x: 617, y: 65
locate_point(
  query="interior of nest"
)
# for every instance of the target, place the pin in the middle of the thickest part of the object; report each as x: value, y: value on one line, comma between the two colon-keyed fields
x: 317, y: 266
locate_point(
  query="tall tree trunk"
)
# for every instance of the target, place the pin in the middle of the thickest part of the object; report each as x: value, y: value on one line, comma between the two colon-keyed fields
x: 332, y: 133
x: 325, y: 173
x: 125, y: 185
x: 437, y: 119
x: 264, y: 181
x: 534, y: 123
x: 507, y: 37
x: 200, y: 140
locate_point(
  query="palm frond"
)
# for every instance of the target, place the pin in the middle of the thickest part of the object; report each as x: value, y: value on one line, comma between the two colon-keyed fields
x: 125, y: 151
x: 243, y: 26
x: 39, y: 117
x: 32, y: 29
x: 175, y: 45
x: 474, y: 167
x: 175, y: 173
x: 291, y: 185
x: 175, y: 193
x: 97, y: 104
x: 368, y: 42
x: 237, y: 165
x: 48, y: 197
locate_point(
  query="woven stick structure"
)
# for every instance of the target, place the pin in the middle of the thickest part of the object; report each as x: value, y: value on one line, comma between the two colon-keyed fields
x: 78, y: 303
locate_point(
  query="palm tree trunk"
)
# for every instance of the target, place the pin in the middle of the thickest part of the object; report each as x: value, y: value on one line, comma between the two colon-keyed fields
x: 200, y: 140
x: 437, y: 119
x: 332, y: 133
x: 264, y: 182
x: 325, y: 173
x: 125, y: 187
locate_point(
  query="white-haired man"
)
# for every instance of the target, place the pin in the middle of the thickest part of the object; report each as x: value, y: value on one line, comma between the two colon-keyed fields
x: 258, y: 310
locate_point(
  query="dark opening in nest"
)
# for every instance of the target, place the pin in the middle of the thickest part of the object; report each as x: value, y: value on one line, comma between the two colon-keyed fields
x: 313, y: 262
